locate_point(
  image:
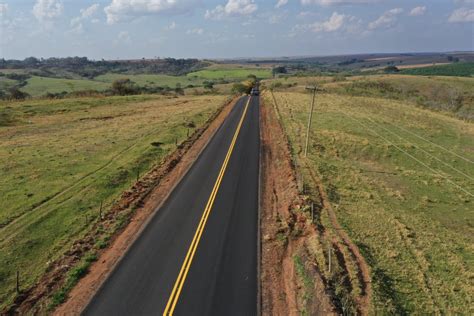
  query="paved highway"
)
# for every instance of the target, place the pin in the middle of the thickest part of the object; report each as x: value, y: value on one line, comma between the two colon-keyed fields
x: 198, y: 255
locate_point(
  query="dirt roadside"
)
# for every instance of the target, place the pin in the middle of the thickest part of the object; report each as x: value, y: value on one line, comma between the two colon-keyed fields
x: 126, y: 219
x: 285, y: 230
x: 347, y: 280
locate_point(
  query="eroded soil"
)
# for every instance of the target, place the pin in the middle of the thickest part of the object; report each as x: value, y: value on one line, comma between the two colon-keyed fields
x: 285, y: 230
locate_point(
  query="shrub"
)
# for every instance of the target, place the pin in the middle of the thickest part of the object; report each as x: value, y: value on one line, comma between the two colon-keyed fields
x: 124, y: 87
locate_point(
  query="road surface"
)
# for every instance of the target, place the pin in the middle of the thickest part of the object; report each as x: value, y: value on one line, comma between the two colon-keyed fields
x: 198, y: 255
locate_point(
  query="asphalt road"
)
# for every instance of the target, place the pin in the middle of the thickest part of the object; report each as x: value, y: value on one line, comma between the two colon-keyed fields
x: 198, y: 255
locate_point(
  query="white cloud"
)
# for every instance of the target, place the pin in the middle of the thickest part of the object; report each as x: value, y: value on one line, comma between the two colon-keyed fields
x: 172, y: 26
x: 119, y: 10
x: 45, y: 10
x: 232, y: 8
x: 90, y: 11
x: 418, y: 11
x: 281, y: 3
x: 3, y: 9
x: 341, y: 23
x: 124, y: 36
x: 337, y: 2
x: 85, y: 14
x: 196, y: 31
x: 274, y: 18
x: 464, y: 2
x: 335, y: 22
x: 386, y: 20
x: 462, y: 15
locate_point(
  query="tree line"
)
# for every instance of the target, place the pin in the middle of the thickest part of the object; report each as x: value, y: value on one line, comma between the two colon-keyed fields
x: 84, y: 67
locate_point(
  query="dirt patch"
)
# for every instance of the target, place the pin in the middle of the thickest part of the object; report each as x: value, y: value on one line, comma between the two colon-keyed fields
x: 100, y: 118
x: 284, y: 229
x: 126, y: 219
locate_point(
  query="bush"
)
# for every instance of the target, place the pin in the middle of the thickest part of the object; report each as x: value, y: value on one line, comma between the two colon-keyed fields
x: 124, y: 87
x: 16, y: 94
x: 240, y: 88
x: 19, y: 77
x: 279, y: 70
x: 391, y: 69
x: 208, y: 84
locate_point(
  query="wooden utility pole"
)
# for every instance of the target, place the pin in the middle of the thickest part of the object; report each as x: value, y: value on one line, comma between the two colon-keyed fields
x: 329, y: 255
x: 310, y: 119
x: 100, y: 209
x: 18, y: 281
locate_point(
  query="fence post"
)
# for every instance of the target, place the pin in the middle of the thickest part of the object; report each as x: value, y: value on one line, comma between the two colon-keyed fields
x: 329, y: 255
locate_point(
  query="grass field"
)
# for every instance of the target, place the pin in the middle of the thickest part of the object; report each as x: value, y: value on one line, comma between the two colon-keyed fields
x: 231, y: 73
x: 456, y: 69
x: 38, y: 86
x: 6, y: 83
x: 449, y: 94
x: 60, y: 158
x: 401, y: 180
x: 153, y: 80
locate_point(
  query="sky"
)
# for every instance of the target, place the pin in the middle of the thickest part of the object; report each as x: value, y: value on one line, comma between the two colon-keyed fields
x: 123, y: 29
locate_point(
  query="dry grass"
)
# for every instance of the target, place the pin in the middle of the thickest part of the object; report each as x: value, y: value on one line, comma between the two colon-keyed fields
x: 412, y: 221
x: 61, y: 159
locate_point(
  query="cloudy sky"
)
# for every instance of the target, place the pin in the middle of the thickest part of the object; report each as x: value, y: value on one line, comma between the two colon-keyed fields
x: 231, y: 28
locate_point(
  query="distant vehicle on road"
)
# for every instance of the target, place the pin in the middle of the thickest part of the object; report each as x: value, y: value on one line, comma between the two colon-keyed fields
x: 255, y: 92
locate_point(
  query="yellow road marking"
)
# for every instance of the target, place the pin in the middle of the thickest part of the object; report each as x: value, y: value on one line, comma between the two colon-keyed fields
x: 178, y: 286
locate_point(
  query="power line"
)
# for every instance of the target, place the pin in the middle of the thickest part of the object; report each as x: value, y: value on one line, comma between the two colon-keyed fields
x: 427, y: 140
x: 408, y: 154
x: 426, y: 152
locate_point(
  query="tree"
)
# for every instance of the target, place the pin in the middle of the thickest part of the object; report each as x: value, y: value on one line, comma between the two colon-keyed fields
x: 239, y: 88
x: 391, y: 69
x: 252, y: 77
x: 208, y: 85
x: 17, y: 94
x: 279, y: 70
x: 124, y: 87
x: 178, y: 89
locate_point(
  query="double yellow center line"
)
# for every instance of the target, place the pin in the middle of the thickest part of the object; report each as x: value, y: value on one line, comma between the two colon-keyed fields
x: 178, y: 286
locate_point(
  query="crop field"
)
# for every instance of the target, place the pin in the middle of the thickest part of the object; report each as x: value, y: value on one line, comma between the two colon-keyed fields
x: 231, y: 73
x: 152, y: 80
x: 456, y: 69
x: 38, y: 86
x: 401, y: 181
x: 60, y: 159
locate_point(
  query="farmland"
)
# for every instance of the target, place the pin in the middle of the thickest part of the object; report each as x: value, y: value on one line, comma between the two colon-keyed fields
x: 453, y: 95
x: 400, y: 179
x: 37, y: 86
x: 457, y: 69
x: 231, y: 73
x: 62, y: 159
x: 152, y: 80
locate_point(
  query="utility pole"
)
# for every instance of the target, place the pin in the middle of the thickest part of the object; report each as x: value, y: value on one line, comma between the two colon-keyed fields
x: 313, y: 88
